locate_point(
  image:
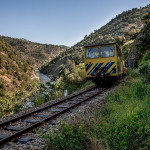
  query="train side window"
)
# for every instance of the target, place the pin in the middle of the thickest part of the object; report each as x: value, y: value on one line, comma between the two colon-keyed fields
x: 119, y: 53
x: 92, y: 52
x: 107, y: 51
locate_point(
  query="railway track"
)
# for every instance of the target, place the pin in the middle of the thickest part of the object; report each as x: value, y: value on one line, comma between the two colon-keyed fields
x: 38, y: 117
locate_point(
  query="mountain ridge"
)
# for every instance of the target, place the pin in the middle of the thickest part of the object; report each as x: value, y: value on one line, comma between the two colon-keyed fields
x: 40, y: 53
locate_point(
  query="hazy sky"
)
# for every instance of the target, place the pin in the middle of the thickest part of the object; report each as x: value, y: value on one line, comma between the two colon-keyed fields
x: 62, y: 22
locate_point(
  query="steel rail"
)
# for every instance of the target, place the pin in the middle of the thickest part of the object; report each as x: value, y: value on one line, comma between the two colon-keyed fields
x: 45, y: 107
x: 30, y: 128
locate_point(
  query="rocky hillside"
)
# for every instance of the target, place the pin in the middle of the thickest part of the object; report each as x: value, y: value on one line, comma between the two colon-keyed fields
x: 123, y: 25
x: 39, y: 53
x: 141, y: 45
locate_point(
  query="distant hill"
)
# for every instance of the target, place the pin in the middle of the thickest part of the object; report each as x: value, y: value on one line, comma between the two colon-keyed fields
x: 39, y: 53
x: 120, y: 26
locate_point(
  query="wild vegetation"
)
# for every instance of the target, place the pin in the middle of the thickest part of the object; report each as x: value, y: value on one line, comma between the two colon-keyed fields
x: 124, y: 122
x: 18, y: 60
x: 73, y: 80
x: 16, y: 78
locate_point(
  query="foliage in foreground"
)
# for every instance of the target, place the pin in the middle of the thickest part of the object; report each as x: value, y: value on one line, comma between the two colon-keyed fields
x: 10, y: 105
x: 127, y: 117
x: 68, y: 138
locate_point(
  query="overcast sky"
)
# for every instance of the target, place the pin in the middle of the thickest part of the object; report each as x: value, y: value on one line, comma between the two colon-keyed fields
x: 59, y: 22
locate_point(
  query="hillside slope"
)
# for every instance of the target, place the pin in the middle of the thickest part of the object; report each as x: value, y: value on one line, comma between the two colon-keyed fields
x: 39, y: 53
x: 141, y: 45
x: 121, y: 25
x: 16, y: 71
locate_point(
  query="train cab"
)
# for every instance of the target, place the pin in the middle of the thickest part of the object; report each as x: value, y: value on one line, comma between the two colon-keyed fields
x: 103, y: 62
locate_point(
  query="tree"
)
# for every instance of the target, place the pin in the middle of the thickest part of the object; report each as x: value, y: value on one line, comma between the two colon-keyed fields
x: 119, y: 40
x: 146, y: 20
x: 85, y: 36
x: 2, y: 88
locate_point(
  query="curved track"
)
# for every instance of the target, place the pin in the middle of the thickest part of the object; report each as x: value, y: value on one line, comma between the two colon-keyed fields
x: 42, y: 115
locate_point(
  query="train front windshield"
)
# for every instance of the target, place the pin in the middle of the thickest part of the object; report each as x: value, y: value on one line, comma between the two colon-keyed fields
x: 107, y: 51
x: 92, y: 52
x: 103, y: 52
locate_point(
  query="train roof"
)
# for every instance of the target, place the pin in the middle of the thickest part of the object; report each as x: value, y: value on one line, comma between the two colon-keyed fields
x: 100, y: 44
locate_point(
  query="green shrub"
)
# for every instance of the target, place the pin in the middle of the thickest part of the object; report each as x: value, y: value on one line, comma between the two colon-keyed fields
x: 126, y: 48
x: 130, y: 134
x: 38, y: 100
x: 143, y: 44
x: 73, y: 79
x: 144, y: 69
x: 68, y: 138
x: 127, y: 116
x: 146, y: 57
x: 134, y: 72
x: 2, y: 88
